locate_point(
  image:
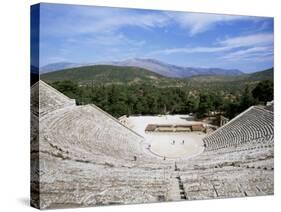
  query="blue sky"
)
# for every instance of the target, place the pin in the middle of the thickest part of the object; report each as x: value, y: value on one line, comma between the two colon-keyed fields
x: 88, y: 34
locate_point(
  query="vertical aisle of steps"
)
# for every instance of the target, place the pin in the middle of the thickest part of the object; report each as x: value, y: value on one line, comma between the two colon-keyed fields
x: 181, y: 188
x: 176, y: 191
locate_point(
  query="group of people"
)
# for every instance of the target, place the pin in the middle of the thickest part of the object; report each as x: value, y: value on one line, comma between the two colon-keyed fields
x: 174, y: 142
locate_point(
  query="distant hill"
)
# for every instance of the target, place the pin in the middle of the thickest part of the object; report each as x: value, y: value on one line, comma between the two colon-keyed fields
x: 256, y: 76
x: 153, y: 65
x: 58, y: 66
x: 261, y: 75
x: 174, y: 71
x: 104, y: 74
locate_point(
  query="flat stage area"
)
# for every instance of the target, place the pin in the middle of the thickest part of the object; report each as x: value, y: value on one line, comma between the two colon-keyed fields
x: 170, y: 145
x: 176, y: 145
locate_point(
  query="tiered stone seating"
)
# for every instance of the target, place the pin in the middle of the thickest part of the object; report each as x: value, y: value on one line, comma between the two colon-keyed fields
x: 88, y: 130
x: 238, y: 160
x: 88, y: 184
x: 254, y: 123
x: 227, y: 181
x: 88, y: 158
x: 50, y: 99
x: 87, y: 151
x: 236, y: 174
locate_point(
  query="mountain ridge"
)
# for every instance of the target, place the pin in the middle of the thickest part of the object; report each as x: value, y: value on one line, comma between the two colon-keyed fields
x: 104, y: 74
x: 176, y: 71
x: 156, y: 66
x: 60, y: 66
x: 111, y: 74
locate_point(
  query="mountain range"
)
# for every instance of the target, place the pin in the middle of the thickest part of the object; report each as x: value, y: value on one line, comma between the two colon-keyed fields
x: 174, y: 71
x: 116, y: 74
x: 156, y: 66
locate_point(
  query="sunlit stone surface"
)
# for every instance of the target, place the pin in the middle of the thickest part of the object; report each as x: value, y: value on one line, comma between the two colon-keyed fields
x: 89, y: 158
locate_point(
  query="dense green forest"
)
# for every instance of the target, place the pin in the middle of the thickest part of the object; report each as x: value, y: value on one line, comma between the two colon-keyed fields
x: 147, y: 99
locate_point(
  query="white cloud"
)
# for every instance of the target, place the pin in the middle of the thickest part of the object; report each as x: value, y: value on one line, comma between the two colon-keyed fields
x: 112, y: 23
x: 190, y: 50
x: 111, y: 39
x: 249, y: 53
x: 257, y: 47
x: 198, y: 22
x: 83, y: 20
x: 249, y: 40
x: 256, y: 56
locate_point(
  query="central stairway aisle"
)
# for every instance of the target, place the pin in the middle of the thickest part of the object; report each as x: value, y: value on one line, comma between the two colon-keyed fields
x: 176, y: 191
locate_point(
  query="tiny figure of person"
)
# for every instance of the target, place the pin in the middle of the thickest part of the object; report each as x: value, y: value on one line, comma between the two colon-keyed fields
x: 182, y: 141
